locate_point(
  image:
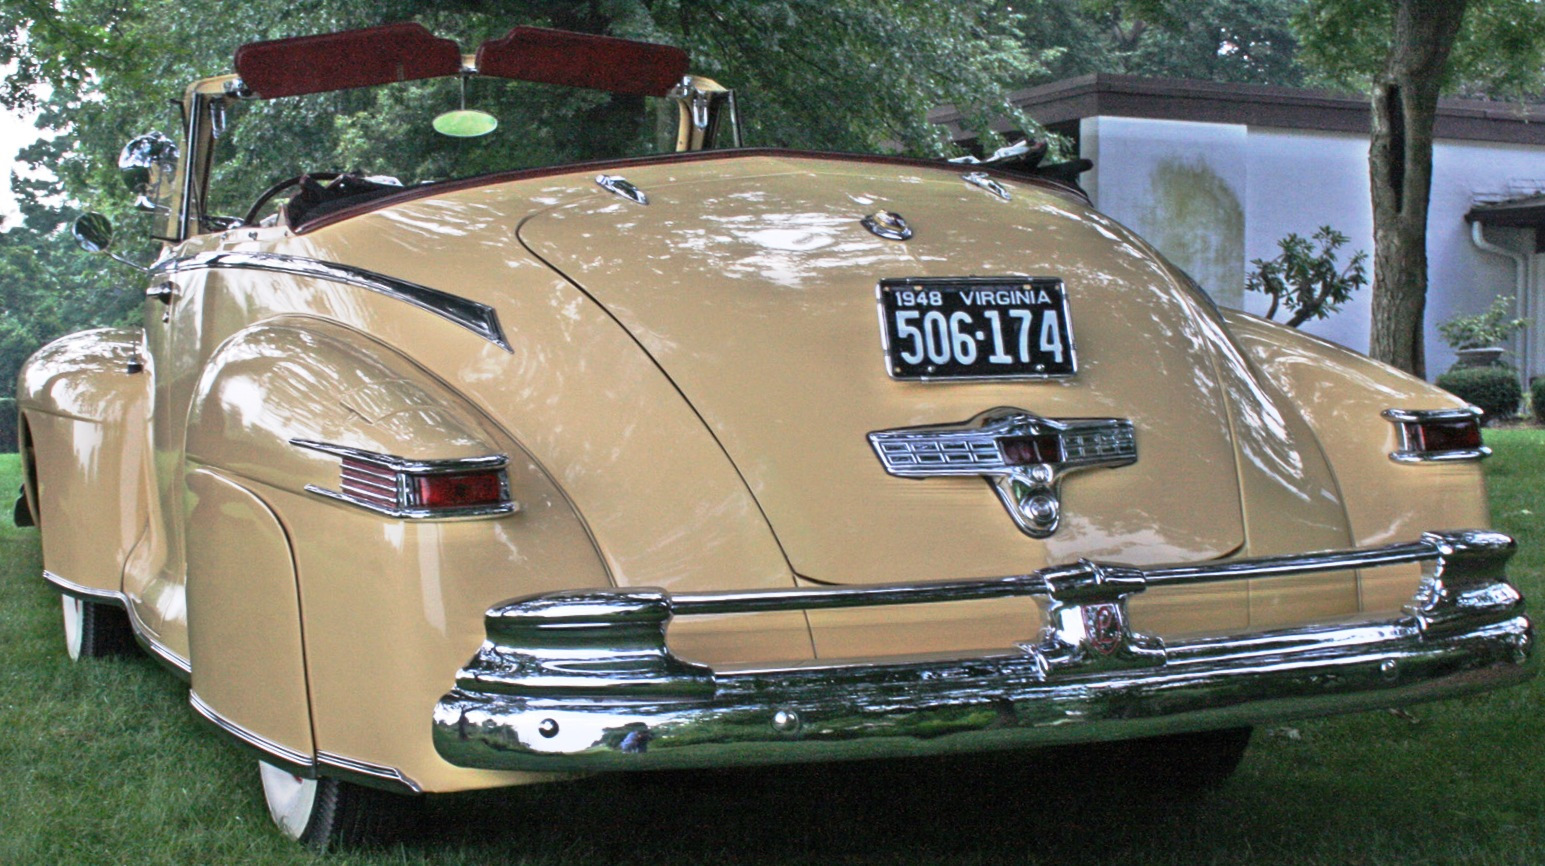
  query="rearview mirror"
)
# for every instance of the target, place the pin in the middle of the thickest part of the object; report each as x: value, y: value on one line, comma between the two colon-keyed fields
x: 146, y: 163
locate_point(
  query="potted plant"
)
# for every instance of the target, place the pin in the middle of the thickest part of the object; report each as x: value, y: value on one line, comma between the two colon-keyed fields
x: 1477, y: 339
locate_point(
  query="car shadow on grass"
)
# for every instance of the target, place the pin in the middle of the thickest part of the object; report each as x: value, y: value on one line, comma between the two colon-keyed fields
x: 1002, y: 807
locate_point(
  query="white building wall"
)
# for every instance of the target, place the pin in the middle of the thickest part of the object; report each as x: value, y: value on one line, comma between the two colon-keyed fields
x: 1213, y: 197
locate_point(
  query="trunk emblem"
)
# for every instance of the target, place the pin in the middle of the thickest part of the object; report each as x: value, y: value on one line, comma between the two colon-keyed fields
x: 1023, y: 456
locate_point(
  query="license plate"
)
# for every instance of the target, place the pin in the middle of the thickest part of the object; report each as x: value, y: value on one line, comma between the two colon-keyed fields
x: 976, y: 328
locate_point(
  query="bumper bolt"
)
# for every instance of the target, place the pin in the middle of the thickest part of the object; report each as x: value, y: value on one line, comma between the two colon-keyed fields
x: 1390, y: 669
x: 786, y: 721
x: 548, y: 728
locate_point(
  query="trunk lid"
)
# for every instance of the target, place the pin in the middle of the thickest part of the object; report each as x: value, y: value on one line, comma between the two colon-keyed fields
x: 755, y: 291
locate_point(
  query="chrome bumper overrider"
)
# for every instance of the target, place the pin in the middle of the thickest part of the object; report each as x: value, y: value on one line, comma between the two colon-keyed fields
x: 583, y: 680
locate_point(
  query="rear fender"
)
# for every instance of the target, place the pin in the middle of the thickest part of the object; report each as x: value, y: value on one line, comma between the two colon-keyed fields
x: 387, y: 607
x: 1340, y: 394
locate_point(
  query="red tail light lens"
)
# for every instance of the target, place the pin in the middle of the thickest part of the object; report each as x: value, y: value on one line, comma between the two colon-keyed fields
x: 1030, y: 450
x: 460, y: 490
x: 1458, y: 435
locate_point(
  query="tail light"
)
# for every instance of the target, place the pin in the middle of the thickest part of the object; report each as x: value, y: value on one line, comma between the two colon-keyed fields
x: 1429, y: 435
x: 418, y: 489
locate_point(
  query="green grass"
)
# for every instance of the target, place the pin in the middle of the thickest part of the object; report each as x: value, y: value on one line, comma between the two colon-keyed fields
x: 104, y: 762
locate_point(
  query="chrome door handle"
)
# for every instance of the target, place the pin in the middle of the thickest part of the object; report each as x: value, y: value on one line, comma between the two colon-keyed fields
x: 163, y: 292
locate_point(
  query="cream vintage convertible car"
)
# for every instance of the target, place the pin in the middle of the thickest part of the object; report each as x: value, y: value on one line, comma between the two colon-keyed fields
x: 720, y: 457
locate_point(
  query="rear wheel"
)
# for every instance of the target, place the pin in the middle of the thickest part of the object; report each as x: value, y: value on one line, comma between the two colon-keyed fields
x: 95, y: 630
x: 330, y: 813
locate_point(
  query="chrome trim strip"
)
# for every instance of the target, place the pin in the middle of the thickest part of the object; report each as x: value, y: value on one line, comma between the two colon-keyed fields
x: 303, y: 764
x: 478, y: 318
x: 1411, y: 457
x: 160, y: 651
x: 1407, y: 452
x: 300, y: 763
x: 619, y: 185
x: 985, y: 181
x: 585, y: 680
x: 1433, y: 414
x: 89, y: 593
x: 403, y: 500
x: 404, y: 464
x: 363, y: 772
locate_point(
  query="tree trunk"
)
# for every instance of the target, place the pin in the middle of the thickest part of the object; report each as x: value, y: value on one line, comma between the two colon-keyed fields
x: 1405, y: 107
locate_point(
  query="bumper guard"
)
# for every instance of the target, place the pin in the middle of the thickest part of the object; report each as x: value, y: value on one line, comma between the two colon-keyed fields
x: 583, y: 680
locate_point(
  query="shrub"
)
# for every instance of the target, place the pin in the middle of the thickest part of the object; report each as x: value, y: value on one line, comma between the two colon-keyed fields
x: 1490, y: 328
x: 1494, y: 389
x: 1537, y: 398
x: 1309, y: 282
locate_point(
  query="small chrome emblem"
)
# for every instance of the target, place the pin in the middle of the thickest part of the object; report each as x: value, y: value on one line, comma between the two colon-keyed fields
x: 888, y: 224
x: 1103, y: 627
x: 619, y: 185
x: 985, y: 181
x: 1024, y: 457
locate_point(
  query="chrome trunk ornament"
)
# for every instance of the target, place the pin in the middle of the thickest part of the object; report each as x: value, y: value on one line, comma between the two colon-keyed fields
x: 984, y: 180
x: 619, y: 185
x: 1024, y: 455
x: 887, y: 224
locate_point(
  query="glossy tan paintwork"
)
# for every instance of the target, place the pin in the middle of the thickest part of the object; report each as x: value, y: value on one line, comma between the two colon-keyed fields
x: 244, y: 627
x: 84, y: 415
x: 684, y: 406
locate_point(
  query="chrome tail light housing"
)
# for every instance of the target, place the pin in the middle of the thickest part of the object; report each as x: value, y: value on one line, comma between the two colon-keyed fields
x: 1437, y: 435
x: 417, y: 489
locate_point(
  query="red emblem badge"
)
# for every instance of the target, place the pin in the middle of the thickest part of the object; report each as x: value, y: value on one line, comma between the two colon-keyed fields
x: 1102, y: 623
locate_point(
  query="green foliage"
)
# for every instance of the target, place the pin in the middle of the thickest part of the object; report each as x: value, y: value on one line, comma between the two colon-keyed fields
x: 1500, y: 50
x: 1247, y: 41
x: 1478, y: 331
x: 1494, y: 389
x: 1305, y: 279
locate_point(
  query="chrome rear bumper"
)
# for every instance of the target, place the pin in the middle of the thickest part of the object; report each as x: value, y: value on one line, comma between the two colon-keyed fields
x: 583, y: 680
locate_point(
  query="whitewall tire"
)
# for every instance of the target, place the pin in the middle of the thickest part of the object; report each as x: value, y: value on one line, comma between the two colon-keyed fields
x: 95, y: 630
x: 329, y: 813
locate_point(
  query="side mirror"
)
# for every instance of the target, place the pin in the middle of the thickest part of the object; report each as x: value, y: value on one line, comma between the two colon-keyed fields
x: 143, y: 162
x: 94, y: 232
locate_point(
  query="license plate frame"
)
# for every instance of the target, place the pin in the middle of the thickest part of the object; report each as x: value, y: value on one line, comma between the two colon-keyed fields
x: 1016, y: 328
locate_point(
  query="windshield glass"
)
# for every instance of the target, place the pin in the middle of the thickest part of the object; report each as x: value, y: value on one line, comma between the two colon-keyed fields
x: 387, y: 131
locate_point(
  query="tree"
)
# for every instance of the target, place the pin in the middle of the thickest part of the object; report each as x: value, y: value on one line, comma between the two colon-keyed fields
x: 1310, y: 283
x: 1405, y: 53
x: 1246, y: 41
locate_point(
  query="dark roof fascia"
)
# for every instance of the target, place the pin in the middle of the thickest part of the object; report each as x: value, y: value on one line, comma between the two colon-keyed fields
x: 1526, y: 213
x: 1108, y: 95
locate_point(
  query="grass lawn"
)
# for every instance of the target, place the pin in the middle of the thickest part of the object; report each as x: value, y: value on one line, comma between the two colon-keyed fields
x: 104, y: 762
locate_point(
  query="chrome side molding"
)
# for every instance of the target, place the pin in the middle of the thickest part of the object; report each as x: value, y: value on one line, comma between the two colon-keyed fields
x: 478, y: 318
